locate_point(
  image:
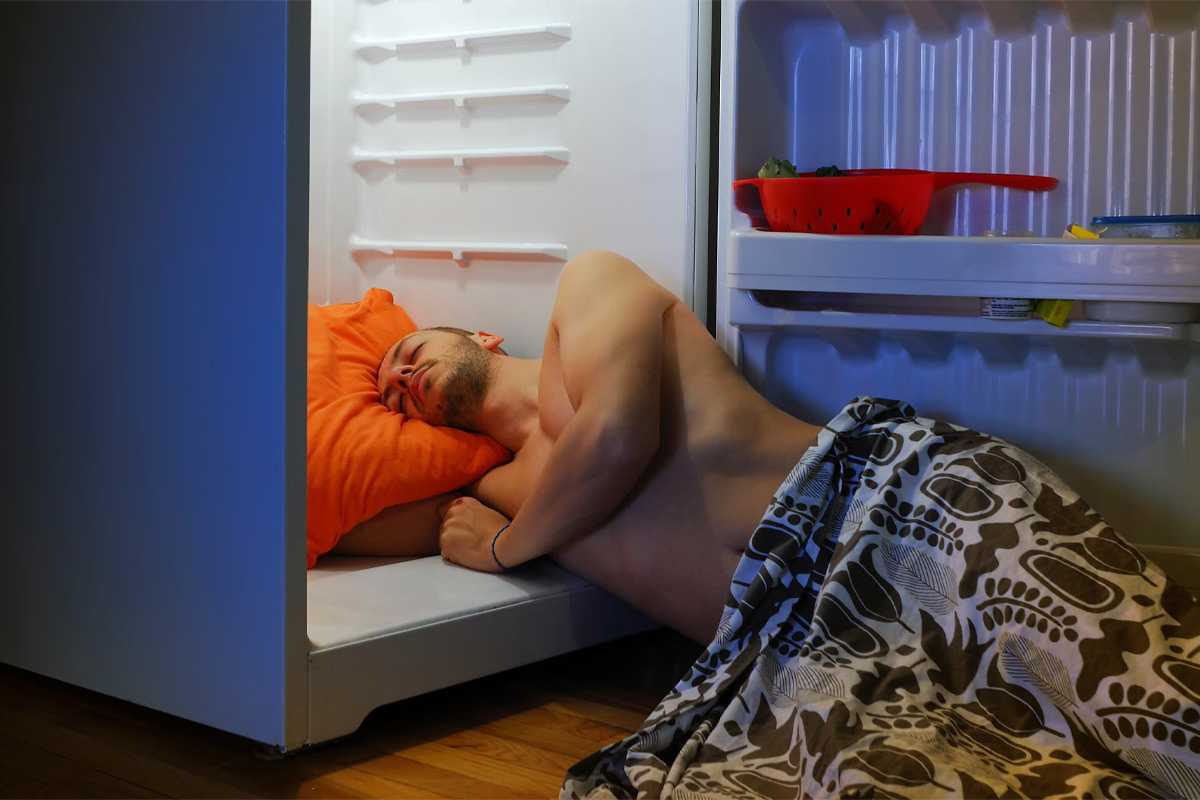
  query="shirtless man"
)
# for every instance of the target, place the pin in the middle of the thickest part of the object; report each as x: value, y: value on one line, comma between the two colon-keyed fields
x: 643, y: 460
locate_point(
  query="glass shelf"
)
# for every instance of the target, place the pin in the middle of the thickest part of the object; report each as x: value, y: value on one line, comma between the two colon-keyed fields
x: 1146, y: 270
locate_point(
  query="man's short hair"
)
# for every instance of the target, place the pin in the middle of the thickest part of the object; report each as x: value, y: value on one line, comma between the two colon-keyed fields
x: 450, y: 329
x: 463, y: 332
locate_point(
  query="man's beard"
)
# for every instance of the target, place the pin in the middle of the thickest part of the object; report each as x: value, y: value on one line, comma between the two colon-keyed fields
x: 466, y: 386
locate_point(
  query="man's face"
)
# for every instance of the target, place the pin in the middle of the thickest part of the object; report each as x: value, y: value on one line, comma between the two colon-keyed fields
x: 435, y: 376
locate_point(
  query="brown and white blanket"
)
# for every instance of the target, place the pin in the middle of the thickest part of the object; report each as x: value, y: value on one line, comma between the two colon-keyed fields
x: 925, y: 611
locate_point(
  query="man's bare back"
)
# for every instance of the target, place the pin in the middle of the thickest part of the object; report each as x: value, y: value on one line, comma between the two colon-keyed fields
x: 669, y: 541
x: 670, y: 549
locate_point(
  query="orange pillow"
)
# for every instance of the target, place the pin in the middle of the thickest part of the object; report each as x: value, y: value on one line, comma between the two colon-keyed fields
x: 362, y: 458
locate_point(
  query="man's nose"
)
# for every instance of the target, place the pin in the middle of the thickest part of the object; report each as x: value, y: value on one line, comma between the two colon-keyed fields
x: 402, y: 376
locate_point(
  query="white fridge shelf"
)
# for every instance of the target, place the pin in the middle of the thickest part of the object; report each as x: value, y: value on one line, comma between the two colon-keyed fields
x: 1146, y: 270
x: 461, y: 252
x: 553, y: 33
x: 467, y: 99
x: 464, y: 159
x: 746, y: 313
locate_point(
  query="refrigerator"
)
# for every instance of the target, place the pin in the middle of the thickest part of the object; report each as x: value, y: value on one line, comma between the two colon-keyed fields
x: 172, y: 215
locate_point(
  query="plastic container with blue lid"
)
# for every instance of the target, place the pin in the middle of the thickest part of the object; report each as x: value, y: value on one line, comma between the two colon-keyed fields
x: 1164, y: 226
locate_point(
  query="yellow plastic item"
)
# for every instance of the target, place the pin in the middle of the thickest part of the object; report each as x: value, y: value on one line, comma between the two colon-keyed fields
x: 1054, y: 311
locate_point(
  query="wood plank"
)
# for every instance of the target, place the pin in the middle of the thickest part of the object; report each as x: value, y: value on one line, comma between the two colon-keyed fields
x: 434, y: 781
x: 557, y: 731
x: 516, y: 779
x: 62, y: 776
x: 596, y: 711
x: 309, y: 775
x: 95, y: 784
x: 509, y: 751
x: 592, y: 730
x: 427, y: 718
x: 511, y: 735
x: 180, y: 742
x: 15, y: 785
x: 115, y: 745
x: 115, y: 759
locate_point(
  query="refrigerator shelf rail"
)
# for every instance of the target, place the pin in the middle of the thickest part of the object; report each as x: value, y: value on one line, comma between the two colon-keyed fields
x: 553, y: 33
x: 461, y: 252
x: 467, y: 99
x: 465, y: 159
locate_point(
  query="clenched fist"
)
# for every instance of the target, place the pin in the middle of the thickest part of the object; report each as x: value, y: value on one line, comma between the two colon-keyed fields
x: 465, y: 537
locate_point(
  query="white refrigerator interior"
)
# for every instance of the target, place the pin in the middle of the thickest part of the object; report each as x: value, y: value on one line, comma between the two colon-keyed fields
x: 462, y: 152
x: 1102, y: 96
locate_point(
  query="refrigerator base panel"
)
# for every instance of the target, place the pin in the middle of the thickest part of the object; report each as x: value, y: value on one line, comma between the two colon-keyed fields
x: 383, y: 630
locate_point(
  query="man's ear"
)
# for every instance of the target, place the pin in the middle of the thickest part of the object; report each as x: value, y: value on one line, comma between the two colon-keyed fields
x: 489, y: 341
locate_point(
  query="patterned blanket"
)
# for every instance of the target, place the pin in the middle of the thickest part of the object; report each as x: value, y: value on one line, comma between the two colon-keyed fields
x: 926, y: 611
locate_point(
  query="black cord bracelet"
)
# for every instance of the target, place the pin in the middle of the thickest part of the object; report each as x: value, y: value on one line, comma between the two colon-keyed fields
x: 494, y: 538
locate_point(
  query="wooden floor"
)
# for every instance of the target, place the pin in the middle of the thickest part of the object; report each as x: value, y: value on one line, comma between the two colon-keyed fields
x: 509, y: 735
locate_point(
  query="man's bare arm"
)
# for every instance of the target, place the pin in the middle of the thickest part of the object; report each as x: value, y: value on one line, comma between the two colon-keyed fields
x: 409, y: 529
x: 606, y: 332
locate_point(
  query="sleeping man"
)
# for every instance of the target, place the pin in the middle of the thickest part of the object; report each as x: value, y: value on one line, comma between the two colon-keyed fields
x: 893, y: 605
x: 642, y: 459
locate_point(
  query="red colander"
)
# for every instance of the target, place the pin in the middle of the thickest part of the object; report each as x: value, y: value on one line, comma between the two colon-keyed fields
x: 863, y: 201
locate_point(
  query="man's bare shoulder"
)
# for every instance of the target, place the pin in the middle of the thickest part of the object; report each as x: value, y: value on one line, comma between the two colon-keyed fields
x: 600, y: 261
x: 601, y: 276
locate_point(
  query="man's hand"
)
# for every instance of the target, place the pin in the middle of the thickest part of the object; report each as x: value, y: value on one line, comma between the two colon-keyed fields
x: 468, y: 528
